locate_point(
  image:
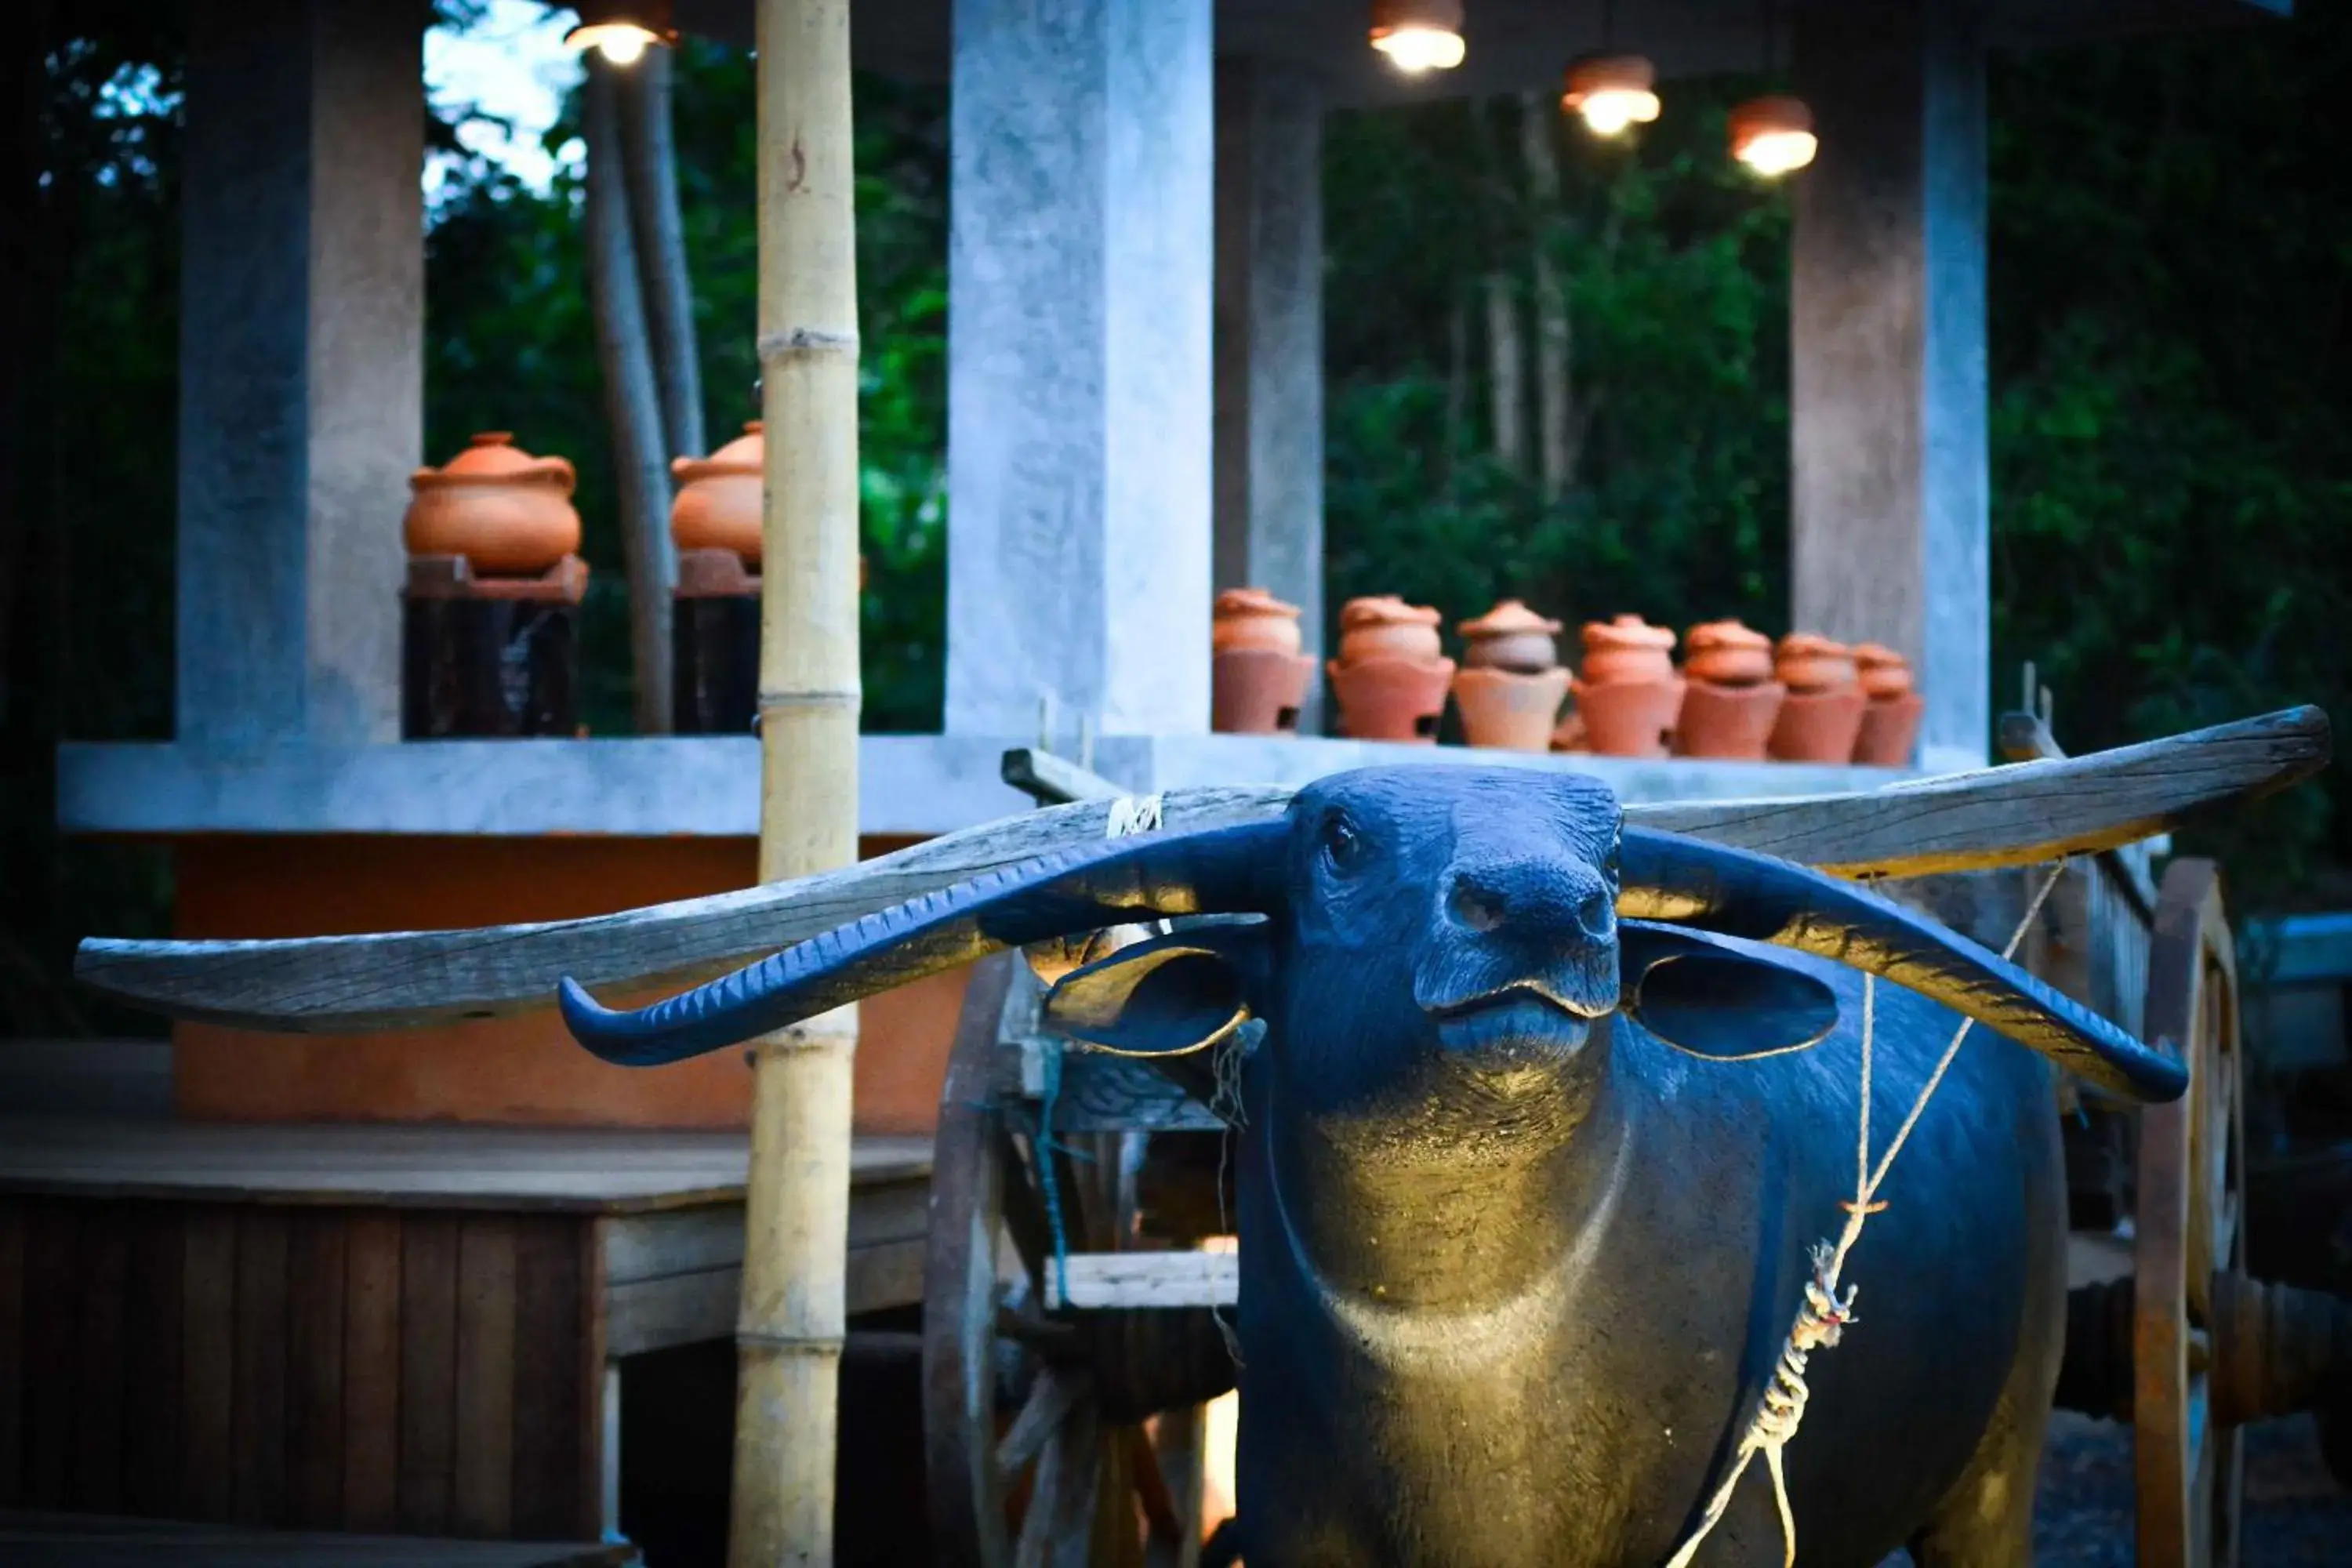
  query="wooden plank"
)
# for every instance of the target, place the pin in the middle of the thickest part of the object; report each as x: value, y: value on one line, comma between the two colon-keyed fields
x: 599, y: 1375
x: 1994, y: 816
x: 207, y: 1363
x: 104, y: 1255
x: 428, y: 1370
x: 1148, y: 1279
x: 12, y: 1350
x: 691, y: 1241
x: 371, y: 1344
x: 154, y: 1332
x: 691, y: 1309
x: 425, y: 1165
x: 317, y: 1274
x: 887, y: 1275
x: 482, y: 1494
x: 52, y: 1232
x: 550, y: 1419
x: 260, y: 1374
x: 1050, y: 780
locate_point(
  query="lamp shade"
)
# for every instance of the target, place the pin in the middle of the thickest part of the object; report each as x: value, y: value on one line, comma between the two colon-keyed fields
x: 622, y: 30
x: 1419, y: 34
x: 1773, y: 135
x: 1611, y: 92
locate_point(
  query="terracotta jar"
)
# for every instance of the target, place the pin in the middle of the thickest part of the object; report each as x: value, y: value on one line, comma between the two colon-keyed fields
x: 1821, y: 720
x: 1890, y: 719
x: 1515, y: 710
x: 1728, y: 654
x: 509, y: 513
x: 718, y: 499
x: 1385, y: 626
x: 1625, y: 649
x: 1510, y: 637
x: 1254, y: 620
x: 1733, y: 702
x: 1809, y: 662
x: 1257, y: 675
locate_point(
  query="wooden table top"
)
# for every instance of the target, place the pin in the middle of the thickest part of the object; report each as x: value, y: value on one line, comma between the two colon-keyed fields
x: 435, y: 1165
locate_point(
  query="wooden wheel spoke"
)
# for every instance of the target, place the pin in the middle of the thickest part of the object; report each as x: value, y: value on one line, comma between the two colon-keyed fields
x: 1051, y: 1399
x: 1151, y: 1487
x: 1059, y: 1528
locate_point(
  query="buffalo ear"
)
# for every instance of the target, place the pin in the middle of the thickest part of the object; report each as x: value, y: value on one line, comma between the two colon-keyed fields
x: 1713, y: 1000
x: 1168, y: 997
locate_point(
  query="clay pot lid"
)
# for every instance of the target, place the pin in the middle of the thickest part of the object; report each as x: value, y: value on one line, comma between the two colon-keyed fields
x: 1385, y: 610
x: 1252, y: 602
x: 491, y: 457
x: 1627, y: 632
x: 1812, y: 644
x: 1726, y: 634
x: 1509, y: 619
x: 1878, y: 655
x: 745, y: 455
x: 1883, y: 671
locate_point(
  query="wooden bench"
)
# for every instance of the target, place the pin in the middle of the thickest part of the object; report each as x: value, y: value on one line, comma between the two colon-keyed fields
x: 410, y: 1330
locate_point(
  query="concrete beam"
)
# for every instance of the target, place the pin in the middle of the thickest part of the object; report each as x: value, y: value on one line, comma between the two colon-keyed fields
x: 301, y: 352
x: 1269, y: 338
x: 1890, y: 524
x: 1079, y: 259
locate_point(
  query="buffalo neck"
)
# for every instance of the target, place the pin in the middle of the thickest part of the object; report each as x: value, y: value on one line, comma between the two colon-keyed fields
x: 1467, y: 1185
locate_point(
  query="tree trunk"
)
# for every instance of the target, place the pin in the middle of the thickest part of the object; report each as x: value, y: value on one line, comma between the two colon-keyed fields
x: 1555, y: 414
x: 632, y: 400
x: 1505, y: 374
x: 793, y: 1314
x: 649, y: 154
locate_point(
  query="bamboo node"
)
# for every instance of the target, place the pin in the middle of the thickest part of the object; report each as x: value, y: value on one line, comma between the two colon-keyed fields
x: 789, y: 1344
x: 803, y: 342
x: 799, y: 1037
x: 780, y: 701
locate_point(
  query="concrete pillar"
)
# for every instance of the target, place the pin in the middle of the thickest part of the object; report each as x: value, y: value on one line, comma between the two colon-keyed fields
x: 1269, y: 340
x: 302, y: 366
x: 1889, y: 524
x: 1079, y: 252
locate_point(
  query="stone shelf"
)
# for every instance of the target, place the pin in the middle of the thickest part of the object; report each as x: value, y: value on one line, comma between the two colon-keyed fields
x: 708, y: 786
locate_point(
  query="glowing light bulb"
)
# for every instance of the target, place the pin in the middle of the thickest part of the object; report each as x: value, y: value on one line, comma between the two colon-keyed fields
x: 1610, y: 92
x: 621, y: 32
x: 1416, y: 49
x: 623, y: 46
x: 1773, y: 135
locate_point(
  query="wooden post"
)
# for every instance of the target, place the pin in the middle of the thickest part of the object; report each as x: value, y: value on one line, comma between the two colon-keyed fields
x: 790, y: 1326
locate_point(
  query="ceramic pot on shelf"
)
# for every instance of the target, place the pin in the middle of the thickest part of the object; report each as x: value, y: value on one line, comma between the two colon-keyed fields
x: 1890, y: 716
x: 1628, y: 695
x: 718, y: 501
x: 1820, y: 719
x: 1391, y: 677
x: 1258, y: 676
x: 1511, y: 685
x: 507, y: 513
x: 1731, y: 702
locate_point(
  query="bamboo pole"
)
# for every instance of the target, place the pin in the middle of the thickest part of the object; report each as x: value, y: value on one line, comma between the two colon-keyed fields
x: 790, y: 1321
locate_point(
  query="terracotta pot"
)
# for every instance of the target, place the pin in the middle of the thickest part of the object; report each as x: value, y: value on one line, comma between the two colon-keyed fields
x: 1630, y: 718
x: 1510, y: 637
x: 1885, y: 674
x: 1514, y: 710
x: 1257, y: 690
x: 1807, y: 661
x: 1728, y: 654
x: 718, y: 501
x: 1570, y: 736
x: 1627, y: 649
x: 1392, y: 698
x: 507, y: 512
x: 1252, y: 618
x: 1732, y: 722
x: 1385, y: 626
x: 1889, y: 726
x: 1818, y: 726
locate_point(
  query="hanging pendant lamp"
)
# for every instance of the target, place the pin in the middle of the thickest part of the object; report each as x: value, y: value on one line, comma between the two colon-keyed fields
x: 1419, y: 35
x: 622, y: 30
x: 1773, y: 135
x: 1611, y: 92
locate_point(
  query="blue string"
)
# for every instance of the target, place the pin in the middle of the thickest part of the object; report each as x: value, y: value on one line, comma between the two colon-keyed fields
x: 1045, y: 1146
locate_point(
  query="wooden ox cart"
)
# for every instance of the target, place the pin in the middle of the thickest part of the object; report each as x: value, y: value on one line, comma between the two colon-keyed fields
x: 1073, y: 1291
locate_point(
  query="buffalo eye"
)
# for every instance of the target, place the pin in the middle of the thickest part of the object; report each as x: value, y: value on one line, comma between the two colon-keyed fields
x: 1344, y: 845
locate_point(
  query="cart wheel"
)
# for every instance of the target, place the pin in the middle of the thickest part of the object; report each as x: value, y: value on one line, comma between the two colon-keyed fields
x: 2187, y: 1223
x: 1071, y: 1439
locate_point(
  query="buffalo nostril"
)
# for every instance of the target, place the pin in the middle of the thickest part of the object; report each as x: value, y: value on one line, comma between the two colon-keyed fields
x: 1476, y: 908
x: 1596, y: 913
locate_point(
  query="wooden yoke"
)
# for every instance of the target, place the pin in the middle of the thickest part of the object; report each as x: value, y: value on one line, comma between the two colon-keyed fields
x: 2007, y: 816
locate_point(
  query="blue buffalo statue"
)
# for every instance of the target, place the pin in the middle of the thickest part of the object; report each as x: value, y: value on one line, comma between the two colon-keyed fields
x: 1543, y: 1117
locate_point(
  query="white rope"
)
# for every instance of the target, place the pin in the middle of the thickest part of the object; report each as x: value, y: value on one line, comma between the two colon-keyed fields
x: 1826, y: 1315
